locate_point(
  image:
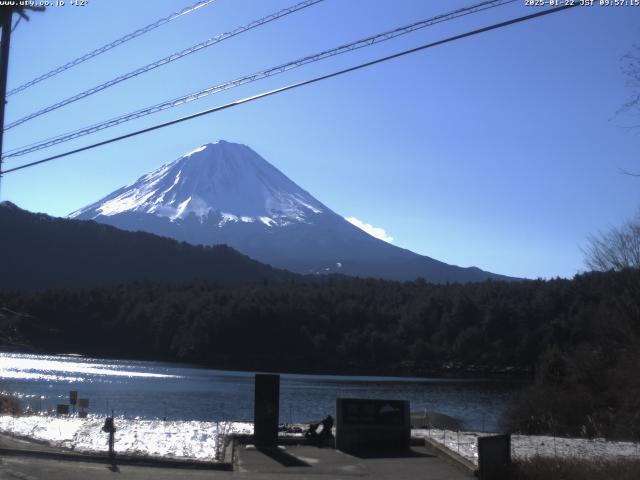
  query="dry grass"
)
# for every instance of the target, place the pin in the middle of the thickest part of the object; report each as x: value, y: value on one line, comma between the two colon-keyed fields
x: 545, y: 468
x: 9, y: 405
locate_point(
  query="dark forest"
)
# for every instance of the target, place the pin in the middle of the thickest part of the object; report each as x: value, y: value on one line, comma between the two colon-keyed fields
x: 578, y: 338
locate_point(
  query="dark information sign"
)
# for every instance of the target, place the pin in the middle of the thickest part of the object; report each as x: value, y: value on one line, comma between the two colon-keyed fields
x: 372, y: 424
x: 373, y: 412
x: 62, y: 409
x: 266, y: 409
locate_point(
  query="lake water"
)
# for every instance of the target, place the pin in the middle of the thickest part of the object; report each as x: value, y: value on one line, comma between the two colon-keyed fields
x: 153, y: 390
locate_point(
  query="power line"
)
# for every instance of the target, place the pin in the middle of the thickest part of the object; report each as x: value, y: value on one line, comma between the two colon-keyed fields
x: 6, y: 15
x: 109, y: 46
x: 166, y: 60
x: 297, y: 85
x: 365, y: 42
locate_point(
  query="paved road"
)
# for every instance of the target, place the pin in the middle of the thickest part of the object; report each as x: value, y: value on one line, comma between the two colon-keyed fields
x: 294, y: 462
x: 26, y: 468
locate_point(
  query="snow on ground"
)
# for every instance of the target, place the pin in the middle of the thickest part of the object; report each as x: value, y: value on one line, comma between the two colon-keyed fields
x: 524, y: 446
x: 197, y: 440
x: 174, y: 439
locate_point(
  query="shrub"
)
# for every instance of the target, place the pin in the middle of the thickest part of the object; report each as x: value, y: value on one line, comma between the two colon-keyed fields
x: 9, y: 405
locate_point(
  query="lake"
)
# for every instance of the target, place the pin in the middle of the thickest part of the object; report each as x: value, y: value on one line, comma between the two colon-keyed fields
x: 152, y: 390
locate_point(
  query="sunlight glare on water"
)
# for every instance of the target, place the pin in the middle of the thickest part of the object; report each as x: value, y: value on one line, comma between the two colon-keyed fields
x: 182, y: 392
x: 54, y: 368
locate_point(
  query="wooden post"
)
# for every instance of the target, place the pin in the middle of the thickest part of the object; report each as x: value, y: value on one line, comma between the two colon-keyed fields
x: 6, y: 15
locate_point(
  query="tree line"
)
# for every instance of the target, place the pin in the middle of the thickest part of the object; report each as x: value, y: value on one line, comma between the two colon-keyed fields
x: 579, y: 336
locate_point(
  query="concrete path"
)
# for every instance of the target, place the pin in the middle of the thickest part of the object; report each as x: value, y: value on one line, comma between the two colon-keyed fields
x: 290, y: 462
x: 306, y: 462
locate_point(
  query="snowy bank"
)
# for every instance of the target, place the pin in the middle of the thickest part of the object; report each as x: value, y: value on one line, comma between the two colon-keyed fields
x: 195, y: 440
x: 192, y: 440
x: 525, y: 446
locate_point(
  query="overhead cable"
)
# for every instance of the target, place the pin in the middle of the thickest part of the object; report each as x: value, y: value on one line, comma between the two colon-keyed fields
x: 362, y: 43
x: 295, y: 85
x: 164, y: 61
x: 109, y: 46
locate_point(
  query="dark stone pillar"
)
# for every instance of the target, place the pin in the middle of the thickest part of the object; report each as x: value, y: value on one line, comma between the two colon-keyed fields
x: 266, y: 409
x: 494, y: 457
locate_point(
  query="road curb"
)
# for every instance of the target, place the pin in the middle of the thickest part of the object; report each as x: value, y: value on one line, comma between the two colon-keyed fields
x: 451, y: 456
x: 119, y: 460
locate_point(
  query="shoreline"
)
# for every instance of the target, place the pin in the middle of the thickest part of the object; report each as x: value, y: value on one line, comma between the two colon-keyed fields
x: 447, y: 370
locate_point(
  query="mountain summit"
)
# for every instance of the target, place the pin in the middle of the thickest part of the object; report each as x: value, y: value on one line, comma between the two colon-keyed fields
x: 225, y: 192
x: 222, y: 177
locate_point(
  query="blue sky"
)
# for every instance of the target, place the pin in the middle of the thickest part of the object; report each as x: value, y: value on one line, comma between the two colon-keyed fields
x: 501, y: 151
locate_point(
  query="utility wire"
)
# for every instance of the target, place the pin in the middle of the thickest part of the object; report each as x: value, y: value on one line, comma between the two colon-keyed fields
x: 365, y: 42
x: 297, y: 85
x: 109, y: 46
x: 166, y: 60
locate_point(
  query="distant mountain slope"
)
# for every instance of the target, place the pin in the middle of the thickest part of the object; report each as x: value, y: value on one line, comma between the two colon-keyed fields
x: 40, y: 251
x: 226, y: 193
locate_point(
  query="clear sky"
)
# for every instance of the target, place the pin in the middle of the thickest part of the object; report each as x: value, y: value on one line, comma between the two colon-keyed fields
x: 501, y: 150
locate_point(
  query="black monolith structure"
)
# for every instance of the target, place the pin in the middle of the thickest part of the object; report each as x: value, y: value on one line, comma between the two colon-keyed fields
x: 266, y: 409
x: 494, y: 457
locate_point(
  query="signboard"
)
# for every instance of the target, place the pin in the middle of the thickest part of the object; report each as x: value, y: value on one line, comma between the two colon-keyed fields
x: 266, y: 409
x: 372, y: 424
x: 373, y: 412
x: 73, y: 397
x: 82, y: 414
x: 494, y: 457
x: 62, y: 409
x: 83, y: 402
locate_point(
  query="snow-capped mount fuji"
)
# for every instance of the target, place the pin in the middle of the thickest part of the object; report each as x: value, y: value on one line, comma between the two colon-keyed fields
x: 225, y: 192
x: 224, y: 179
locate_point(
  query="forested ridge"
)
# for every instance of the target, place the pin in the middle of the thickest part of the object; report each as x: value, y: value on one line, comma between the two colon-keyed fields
x: 43, y: 252
x: 340, y: 325
x: 580, y: 336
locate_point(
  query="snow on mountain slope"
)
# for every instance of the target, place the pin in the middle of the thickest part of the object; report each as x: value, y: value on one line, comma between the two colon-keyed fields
x: 228, y: 178
x: 225, y: 192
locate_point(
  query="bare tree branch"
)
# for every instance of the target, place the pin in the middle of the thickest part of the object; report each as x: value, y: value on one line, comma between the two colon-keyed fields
x: 631, y: 68
x: 617, y: 249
